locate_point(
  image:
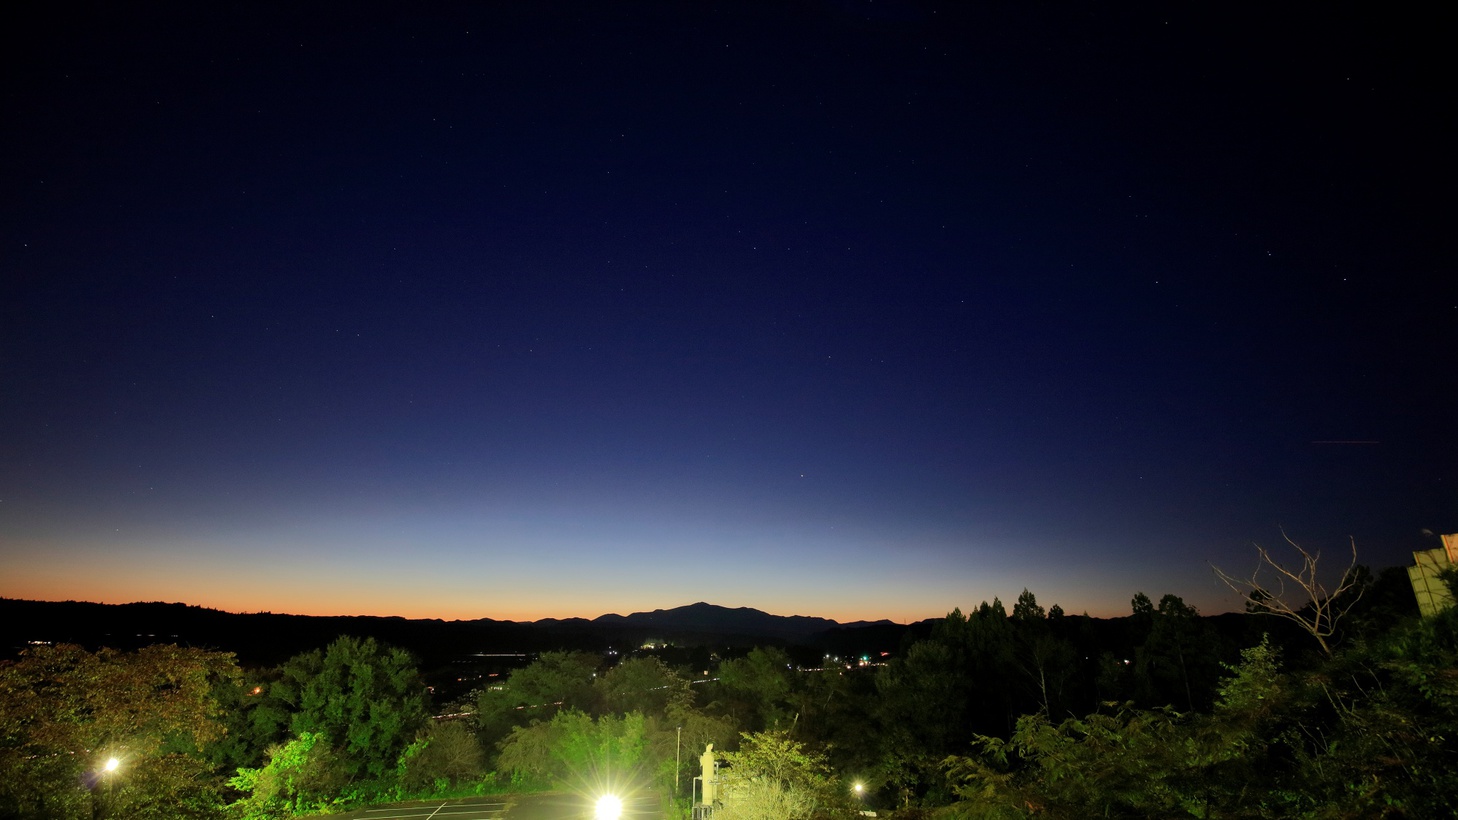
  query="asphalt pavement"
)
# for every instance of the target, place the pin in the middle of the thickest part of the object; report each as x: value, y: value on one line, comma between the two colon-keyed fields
x: 506, y: 807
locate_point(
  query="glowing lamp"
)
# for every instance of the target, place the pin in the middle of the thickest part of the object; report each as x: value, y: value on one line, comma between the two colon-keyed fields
x: 609, y: 807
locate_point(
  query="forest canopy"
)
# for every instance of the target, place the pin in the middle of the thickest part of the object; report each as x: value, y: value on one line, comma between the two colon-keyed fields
x: 987, y: 713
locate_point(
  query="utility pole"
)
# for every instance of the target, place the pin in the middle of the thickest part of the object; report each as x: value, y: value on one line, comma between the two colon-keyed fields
x: 677, y: 761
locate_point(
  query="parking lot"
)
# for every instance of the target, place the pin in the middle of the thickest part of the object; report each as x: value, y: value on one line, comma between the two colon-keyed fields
x: 475, y: 808
x: 524, y: 807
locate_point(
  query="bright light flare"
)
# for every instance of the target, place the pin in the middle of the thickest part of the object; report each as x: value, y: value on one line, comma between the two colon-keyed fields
x: 110, y: 765
x: 609, y: 807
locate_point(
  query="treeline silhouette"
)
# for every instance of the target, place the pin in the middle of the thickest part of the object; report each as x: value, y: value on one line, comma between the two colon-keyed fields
x: 995, y: 711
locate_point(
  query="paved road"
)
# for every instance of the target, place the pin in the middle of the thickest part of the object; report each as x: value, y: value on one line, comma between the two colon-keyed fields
x: 527, y: 807
x: 575, y: 807
x: 475, y: 808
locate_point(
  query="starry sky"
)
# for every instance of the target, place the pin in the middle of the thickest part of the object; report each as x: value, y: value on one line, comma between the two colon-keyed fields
x: 849, y: 309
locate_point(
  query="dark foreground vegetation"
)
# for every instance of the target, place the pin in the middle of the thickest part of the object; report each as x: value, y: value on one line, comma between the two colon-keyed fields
x: 986, y: 714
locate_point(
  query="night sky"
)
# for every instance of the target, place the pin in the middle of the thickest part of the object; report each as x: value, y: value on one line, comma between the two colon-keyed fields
x: 848, y: 309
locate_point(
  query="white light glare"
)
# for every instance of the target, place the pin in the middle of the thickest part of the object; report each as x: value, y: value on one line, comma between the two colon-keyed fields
x: 608, y: 808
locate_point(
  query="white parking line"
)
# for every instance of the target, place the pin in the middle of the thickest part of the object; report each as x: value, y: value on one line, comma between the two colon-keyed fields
x: 465, y: 811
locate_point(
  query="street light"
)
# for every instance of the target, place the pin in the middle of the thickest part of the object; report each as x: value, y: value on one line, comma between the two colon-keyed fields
x: 101, y: 800
x: 609, y: 807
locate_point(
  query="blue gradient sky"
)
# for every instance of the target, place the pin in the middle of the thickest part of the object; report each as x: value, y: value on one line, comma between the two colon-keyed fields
x: 838, y: 309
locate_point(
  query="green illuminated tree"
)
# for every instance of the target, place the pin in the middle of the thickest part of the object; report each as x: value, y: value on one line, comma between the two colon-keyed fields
x: 572, y: 749
x: 644, y: 685
x: 255, y: 720
x: 444, y: 753
x: 554, y: 682
x: 757, y: 689
x: 772, y: 777
x: 64, y: 711
x: 304, y: 775
x: 367, y: 699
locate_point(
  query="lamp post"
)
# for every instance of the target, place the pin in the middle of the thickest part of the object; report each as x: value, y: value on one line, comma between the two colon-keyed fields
x: 103, y: 774
x: 609, y: 807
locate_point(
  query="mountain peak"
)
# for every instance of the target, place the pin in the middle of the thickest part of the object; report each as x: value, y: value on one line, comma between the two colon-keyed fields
x: 702, y: 617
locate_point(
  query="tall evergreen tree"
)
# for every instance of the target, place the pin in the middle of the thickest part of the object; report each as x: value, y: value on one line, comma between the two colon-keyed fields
x: 367, y: 699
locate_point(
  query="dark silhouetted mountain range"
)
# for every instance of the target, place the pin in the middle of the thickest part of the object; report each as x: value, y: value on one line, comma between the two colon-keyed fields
x: 266, y: 638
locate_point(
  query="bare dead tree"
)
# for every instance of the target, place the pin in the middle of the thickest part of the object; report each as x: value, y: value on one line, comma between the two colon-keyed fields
x: 1298, y: 594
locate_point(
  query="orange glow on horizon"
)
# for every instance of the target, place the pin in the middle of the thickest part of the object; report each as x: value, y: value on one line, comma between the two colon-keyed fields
x: 341, y: 605
x: 68, y: 572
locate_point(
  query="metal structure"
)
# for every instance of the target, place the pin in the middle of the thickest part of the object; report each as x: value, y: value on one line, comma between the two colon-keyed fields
x: 1433, y: 596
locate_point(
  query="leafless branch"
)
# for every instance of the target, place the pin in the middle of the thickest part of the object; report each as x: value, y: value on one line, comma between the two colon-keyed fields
x: 1310, y: 604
